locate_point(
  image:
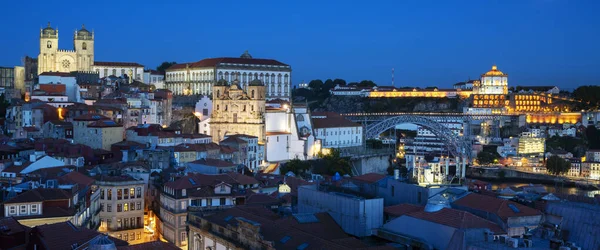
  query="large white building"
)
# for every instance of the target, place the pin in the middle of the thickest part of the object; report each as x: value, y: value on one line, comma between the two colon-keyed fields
x: 199, y: 77
x: 335, y: 131
x: 493, y: 82
x: 134, y: 71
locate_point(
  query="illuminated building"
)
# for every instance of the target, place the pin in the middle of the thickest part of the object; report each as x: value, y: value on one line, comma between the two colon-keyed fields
x: 489, y: 94
x: 530, y: 145
x: 391, y: 92
x: 53, y: 59
x: 122, y: 207
x: 236, y: 111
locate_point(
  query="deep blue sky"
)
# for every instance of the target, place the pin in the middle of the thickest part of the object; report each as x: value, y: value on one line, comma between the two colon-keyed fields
x: 429, y: 43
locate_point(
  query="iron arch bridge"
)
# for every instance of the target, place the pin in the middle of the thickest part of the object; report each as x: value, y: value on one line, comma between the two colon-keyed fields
x: 459, y: 146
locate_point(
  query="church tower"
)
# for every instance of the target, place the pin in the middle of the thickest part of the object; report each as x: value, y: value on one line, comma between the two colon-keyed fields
x: 83, y: 42
x: 48, y: 49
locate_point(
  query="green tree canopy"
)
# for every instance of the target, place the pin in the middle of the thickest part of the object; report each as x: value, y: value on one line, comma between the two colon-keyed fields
x: 364, y: 83
x: 487, y: 157
x: 334, y: 163
x: 328, y: 85
x: 340, y: 82
x: 557, y: 166
x: 315, y: 85
x: 296, y: 166
x: 164, y: 66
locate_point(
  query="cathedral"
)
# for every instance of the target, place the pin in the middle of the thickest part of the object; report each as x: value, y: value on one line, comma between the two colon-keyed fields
x: 53, y: 59
x: 236, y: 111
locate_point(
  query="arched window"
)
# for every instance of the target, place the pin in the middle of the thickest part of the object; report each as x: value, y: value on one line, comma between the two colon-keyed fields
x: 286, y: 78
x: 49, y: 44
x: 114, y: 72
x: 84, y: 46
x: 300, y: 118
x: 122, y: 72
x: 218, y: 94
x: 252, y: 95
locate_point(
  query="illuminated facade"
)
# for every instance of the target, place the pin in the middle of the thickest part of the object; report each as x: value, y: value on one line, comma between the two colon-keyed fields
x: 409, y: 93
x: 529, y: 145
x: 52, y: 59
x: 236, y: 111
x: 490, y: 93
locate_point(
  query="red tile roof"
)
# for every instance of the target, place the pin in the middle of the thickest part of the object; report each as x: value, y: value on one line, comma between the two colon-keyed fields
x: 118, y: 64
x: 53, y: 88
x: 496, y: 206
x: 331, y: 120
x: 277, y: 133
x: 214, y: 62
x: 63, y: 235
x: 214, y: 163
x: 91, y: 117
x: 369, y: 178
x: 402, y: 209
x: 457, y: 219
x: 40, y: 194
x: 76, y: 177
x: 104, y: 124
x: 154, y: 245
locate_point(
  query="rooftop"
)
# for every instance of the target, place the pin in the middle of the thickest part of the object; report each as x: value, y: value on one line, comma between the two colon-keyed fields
x: 503, y: 208
x: 39, y: 195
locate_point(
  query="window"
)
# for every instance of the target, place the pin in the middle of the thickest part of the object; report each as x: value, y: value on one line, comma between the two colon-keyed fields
x: 49, y: 44
x: 119, y: 194
x: 139, y: 192
x: 12, y: 210
x: 108, y: 208
x: 139, y: 206
x: 132, y: 206
x: 125, y: 207
x: 119, y: 225
x: 223, y: 201
x: 126, y: 223
x: 84, y: 46
x: 139, y: 236
x: 109, y: 194
x: 139, y: 221
x: 126, y: 192
x: 34, y: 209
x: 23, y: 209
x: 119, y: 208
x: 102, y: 207
x: 222, y: 188
x: 183, y: 205
x: 101, y: 191
x: 114, y: 72
x: 105, y: 72
x: 126, y: 236
x: 183, y: 236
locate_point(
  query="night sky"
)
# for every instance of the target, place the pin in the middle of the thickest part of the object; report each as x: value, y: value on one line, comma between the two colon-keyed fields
x: 429, y: 43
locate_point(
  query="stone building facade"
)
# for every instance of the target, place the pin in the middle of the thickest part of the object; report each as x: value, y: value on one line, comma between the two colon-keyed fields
x: 236, y: 111
x: 53, y: 59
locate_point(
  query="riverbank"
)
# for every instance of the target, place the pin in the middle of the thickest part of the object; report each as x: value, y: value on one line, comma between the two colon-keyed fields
x: 503, y: 175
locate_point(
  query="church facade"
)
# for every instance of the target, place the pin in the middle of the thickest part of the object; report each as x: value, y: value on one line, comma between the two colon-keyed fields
x: 199, y: 77
x: 236, y: 111
x: 53, y: 59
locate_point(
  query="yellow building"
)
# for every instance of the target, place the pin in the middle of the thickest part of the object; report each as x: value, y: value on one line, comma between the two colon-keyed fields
x: 96, y: 131
x: 238, y: 112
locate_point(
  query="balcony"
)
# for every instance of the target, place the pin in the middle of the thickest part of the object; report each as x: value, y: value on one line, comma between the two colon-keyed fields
x: 208, y: 208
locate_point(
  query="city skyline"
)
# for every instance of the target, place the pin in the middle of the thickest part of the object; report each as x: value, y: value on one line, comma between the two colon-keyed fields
x: 545, y: 42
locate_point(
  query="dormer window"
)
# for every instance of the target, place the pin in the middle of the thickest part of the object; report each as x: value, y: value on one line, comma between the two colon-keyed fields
x: 183, y: 192
x: 222, y: 189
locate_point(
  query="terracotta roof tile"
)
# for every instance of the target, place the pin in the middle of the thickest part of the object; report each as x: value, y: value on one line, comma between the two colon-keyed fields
x: 76, y: 177
x: 41, y: 194
x: 402, y: 209
x: 457, y: 219
x: 118, y: 64
x: 214, y: 163
x: 91, y: 117
x: 331, y: 120
x: 53, y: 235
x: 496, y: 206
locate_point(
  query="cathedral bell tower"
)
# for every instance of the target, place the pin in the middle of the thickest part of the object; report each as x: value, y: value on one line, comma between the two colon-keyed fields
x: 83, y: 43
x: 48, y: 49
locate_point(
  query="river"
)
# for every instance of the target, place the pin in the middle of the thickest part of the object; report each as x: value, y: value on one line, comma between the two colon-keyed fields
x: 550, y: 188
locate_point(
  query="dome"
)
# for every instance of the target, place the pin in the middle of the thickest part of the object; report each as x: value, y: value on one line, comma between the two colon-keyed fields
x: 246, y: 55
x: 494, y: 72
x: 83, y: 31
x: 102, y: 242
x: 256, y: 82
x: 49, y: 30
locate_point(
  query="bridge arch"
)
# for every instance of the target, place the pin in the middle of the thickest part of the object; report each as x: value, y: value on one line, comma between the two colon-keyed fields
x: 457, y: 145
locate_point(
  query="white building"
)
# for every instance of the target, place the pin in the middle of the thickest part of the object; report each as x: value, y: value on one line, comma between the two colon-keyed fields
x: 72, y: 90
x: 134, y: 71
x: 348, y: 91
x: 530, y: 145
x: 199, y: 77
x: 561, y: 131
x: 493, y: 82
x: 154, y: 77
x: 335, y: 131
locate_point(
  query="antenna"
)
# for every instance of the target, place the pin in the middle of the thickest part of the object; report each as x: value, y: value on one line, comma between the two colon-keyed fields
x: 392, y: 77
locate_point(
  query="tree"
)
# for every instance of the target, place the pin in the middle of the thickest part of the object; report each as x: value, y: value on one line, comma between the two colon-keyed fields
x: 164, y: 66
x: 340, y: 82
x: 315, y: 85
x: 593, y: 137
x: 486, y: 157
x: 557, y: 166
x: 367, y: 83
x: 374, y: 144
x: 3, y: 105
x: 296, y: 166
x: 334, y: 163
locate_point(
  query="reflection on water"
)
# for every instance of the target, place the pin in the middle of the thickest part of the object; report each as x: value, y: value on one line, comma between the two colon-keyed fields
x: 557, y: 189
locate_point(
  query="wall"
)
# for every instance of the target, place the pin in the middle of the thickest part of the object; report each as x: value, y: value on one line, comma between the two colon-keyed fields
x: 277, y: 147
x: 371, y: 164
x: 70, y: 82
